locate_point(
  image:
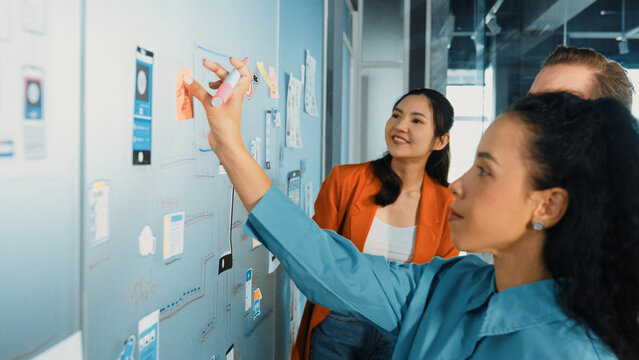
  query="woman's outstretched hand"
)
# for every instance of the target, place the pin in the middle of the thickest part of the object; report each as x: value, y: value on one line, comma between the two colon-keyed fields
x: 225, y: 135
x: 224, y: 121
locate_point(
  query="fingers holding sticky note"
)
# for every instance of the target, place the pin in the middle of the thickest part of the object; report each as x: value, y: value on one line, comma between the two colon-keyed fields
x: 183, y: 100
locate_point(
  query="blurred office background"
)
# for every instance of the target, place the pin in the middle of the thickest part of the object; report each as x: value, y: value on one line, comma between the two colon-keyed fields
x: 483, y: 54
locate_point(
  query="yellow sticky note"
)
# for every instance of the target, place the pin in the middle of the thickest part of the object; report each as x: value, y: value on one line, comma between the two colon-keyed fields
x: 273, y: 76
x: 260, y: 67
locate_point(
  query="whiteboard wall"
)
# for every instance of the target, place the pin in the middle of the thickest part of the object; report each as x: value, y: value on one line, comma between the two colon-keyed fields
x: 72, y: 219
x: 39, y: 175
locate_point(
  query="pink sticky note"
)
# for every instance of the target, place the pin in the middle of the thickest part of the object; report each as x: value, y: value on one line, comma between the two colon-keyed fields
x: 183, y: 100
x: 273, y: 77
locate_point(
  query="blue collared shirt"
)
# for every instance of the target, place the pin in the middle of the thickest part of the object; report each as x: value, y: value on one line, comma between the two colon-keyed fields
x: 446, y: 309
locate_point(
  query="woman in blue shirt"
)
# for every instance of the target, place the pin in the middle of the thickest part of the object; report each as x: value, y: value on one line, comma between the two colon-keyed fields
x: 552, y: 195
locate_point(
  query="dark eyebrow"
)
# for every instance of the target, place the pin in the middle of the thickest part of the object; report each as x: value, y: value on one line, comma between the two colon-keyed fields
x: 413, y: 113
x: 487, y: 156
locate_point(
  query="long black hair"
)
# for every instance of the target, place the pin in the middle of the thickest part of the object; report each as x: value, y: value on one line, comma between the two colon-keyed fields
x: 590, y: 148
x: 438, y: 162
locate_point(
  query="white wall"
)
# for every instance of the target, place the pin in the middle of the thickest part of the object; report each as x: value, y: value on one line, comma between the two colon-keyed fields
x: 382, y: 73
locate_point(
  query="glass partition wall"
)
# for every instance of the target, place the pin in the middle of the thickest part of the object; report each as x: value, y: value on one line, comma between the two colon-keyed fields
x: 492, y: 50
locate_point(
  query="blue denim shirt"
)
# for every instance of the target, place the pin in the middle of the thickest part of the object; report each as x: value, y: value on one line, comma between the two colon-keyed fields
x: 446, y: 309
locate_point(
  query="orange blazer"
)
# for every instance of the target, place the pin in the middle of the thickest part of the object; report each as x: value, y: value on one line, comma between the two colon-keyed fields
x: 346, y: 205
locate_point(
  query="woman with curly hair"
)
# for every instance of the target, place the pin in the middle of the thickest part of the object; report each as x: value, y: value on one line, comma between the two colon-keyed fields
x: 552, y: 195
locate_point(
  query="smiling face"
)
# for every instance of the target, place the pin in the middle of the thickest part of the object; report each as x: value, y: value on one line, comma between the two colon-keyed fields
x: 494, y: 201
x: 410, y: 130
x: 573, y: 78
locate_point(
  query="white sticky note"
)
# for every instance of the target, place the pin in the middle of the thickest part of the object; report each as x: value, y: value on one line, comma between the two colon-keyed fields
x: 148, y: 336
x: 99, y: 212
x: 249, y: 290
x: 146, y: 241
x: 256, y: 243
x: 273, y: 262
x: 173, y: 234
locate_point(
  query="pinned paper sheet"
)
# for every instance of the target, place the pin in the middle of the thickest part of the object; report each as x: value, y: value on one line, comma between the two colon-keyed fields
x: 273, y: 76
x: 256, y: 308
x: 146, y: 241
x: 173, y: 234
x: 183, y: 100
x: 99, y: 213
x: 273, y: 262
x: 33, y: 126
x: 127, y: 350
x: 269, y: 82
x: 248, y: 301
x: 256, y: 243
x: 267, y: 141
x: 310, y: 104
x: 256, y: 149
x: 293, y: 108
x: 6, y: 148
x: 34, y: 16
x: 148, y: 336
x: 257, y: 300
x: 308, y: 199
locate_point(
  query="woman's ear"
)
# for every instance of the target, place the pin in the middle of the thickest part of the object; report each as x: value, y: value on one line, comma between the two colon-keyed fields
x: 552, y: 207
x: 441, y: 142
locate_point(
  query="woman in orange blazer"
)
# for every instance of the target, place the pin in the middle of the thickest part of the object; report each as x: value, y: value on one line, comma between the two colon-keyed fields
x: 405, y: 189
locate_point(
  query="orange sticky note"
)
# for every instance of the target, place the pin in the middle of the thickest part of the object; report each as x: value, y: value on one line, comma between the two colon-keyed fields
x: 257, y: 294
x: 183, y: 100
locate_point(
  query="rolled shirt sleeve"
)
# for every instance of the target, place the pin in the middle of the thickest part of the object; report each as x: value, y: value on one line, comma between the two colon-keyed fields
x: 329, y: 269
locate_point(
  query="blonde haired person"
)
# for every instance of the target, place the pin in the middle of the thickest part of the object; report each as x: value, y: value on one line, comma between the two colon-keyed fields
x: 585, y: 73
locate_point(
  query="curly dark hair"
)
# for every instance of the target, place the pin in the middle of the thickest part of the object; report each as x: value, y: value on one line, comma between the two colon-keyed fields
x: 438, y: 162
x: 590, y: 148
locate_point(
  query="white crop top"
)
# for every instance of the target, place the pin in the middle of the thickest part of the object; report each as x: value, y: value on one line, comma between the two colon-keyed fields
x: 394, y: 243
